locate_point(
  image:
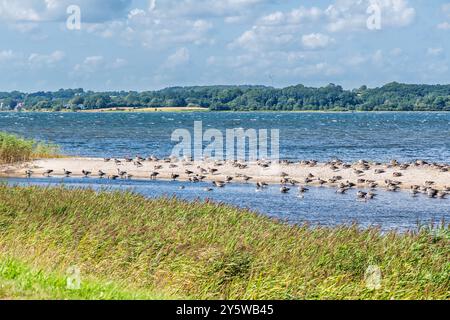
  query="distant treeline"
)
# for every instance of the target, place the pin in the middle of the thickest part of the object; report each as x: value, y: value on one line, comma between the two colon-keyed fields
x: 391, y: 97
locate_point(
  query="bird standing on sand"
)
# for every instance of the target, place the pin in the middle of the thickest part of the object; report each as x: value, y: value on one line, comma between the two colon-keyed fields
x: 122, y: 174
x: 47, y: 173
x: 101, y: 174
x: 154, y: 175
x: 86, y: 174
x: 28, y: 173
x: 67, y: 173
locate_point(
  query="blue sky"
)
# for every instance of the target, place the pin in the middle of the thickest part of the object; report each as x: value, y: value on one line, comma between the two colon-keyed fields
x: 152, y: 44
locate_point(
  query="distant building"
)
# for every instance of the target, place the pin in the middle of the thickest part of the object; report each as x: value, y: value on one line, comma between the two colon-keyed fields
x: 19, y: 107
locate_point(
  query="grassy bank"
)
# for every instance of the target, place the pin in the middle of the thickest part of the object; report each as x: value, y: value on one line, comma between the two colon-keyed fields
x: 203, y: 250
x: 16, y: 149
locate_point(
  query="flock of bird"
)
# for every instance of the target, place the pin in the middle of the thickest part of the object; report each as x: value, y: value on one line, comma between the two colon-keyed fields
x: 286, y: 181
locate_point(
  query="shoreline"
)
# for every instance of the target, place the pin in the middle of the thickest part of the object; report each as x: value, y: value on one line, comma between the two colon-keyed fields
x: 360, y: 175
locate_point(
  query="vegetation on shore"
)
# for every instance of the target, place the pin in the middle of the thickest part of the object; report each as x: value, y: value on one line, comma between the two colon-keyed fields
x: 201, y: 250
x: 17, y: 149
x: 391, y: 97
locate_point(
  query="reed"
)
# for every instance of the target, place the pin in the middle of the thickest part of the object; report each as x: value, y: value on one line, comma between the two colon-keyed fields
x: 16, y: 149
x: 210, y: 251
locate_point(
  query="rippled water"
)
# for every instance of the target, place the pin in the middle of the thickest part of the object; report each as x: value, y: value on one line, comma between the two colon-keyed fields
x: 321, y: 136
x: 320, y: 206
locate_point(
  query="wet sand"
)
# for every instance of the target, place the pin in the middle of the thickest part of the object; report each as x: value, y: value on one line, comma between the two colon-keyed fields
x: 360, y: 174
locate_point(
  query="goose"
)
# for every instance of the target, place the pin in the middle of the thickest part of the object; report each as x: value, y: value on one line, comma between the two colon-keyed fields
x: 379, y: 171
x: 107, y: 159
x: 158, y: 167
x: 284, y: 175
x: 174, y: 176
x: 308, y: 180
x: 86, y: 173
x: 261, y: 185
x: 154, y: 175
x: 361, y: 195
x: 140, y: 159
x: 101, y: 174
x: 117, y: 162
x: 113, y: 177
x: 28, y: 173
x: 228, y: 179
x: 397, y: 174
x: 441, y: 194
x: 67, y: 173
x: 284, y: 189
x: 414, y: 190
x: 302, y: 189
x: 189, y: 172
x: 194, y: 179
x: 122, y: 174
x: 138, y: 164
x: 341, y: 190
x: 370, y: 195
x: 48, y: 173
x: 392, y: 188
x: 219, y: 184
x: 247, y: 178
x: 209, y: 189
x: 213, y: 171
x: 432, y: 193
x: 128, y: 160
x: 321, y: 182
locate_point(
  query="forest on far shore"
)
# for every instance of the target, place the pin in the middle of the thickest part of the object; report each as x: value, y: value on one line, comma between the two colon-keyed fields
x: 390, y: 97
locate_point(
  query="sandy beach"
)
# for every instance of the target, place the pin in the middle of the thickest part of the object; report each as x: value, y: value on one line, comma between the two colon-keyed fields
x: 362, y: 174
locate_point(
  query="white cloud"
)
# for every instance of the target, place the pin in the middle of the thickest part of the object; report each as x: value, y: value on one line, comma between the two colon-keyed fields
x: 55, y: 10
x: 446, y: 10
x: 6, y: 55
x: 345, y: 15
x: 180, y: 57
x: 316, y: 40
x: 90, y: 64
x: 40, y: 60
x: 444, y: 26
x: 435, y: 51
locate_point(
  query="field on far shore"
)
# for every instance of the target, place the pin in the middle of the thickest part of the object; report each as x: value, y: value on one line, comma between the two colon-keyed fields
x: 165, y: 109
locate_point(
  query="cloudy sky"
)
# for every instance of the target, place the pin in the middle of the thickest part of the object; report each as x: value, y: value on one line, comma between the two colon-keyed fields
x: 151, y: 44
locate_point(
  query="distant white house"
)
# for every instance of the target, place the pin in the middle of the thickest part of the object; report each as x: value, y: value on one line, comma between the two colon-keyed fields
x: 19, y: 107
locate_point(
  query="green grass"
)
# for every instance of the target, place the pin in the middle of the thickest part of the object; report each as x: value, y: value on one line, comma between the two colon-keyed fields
x: 16, y: 149
x: 20, y: 281
x: 204, y: 251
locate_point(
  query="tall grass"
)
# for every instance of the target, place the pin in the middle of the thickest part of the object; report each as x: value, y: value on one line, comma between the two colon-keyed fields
x: 17, y: 149
x: 212, y: 251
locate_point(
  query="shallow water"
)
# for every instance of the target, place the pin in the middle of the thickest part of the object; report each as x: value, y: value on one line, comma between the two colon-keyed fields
x: 320, y: 206
x: 321, y: 136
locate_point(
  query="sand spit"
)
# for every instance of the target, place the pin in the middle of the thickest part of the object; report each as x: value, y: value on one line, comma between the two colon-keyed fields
x: 363, y: 174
